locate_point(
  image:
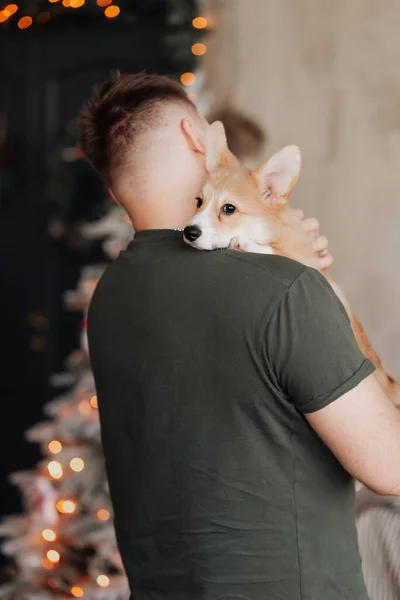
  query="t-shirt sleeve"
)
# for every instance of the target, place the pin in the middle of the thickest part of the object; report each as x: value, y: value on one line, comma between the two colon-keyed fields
x: 311, y: 347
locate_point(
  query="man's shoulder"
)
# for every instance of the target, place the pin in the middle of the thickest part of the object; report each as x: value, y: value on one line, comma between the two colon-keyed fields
x: 104, y: 290
x: 260, y: 275
x: 267, y: 266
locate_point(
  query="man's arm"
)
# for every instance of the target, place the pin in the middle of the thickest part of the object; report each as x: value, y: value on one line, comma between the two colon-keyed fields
x: 362, y: 429
x: 315, y: 359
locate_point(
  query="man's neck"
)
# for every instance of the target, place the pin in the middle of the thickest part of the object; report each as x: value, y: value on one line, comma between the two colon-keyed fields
x: 162, y: 214
x: 152, y: 222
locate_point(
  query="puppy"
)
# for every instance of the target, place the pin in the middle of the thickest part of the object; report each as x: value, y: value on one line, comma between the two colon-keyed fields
x: 247, y: 210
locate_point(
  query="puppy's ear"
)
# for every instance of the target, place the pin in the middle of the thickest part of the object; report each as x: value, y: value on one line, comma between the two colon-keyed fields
x: 277, y: 176
x: 218, y: 155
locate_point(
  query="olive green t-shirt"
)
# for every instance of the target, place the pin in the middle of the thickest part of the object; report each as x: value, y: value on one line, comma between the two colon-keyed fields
x: 205, y: 363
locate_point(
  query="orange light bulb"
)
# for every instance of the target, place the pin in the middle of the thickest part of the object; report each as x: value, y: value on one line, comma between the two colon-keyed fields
x: 84, y: 407
x: 93, y: 402
x: 55, y: 469
x: 43, y: 17
x: 77, y: 465
x: 112, y: 11
x: 49, y: 535
x: 103, y: 581
x: 47, y: 564
x: 25, y: 22
x: 55, y: 446
x: 103, y: 514
x: 77, y: 591
x: 199, y: 49
x: 11, y: 9
x: 66, y: 506
x: 53, y: 556
x: 188, y: 78
x: 200, y: 23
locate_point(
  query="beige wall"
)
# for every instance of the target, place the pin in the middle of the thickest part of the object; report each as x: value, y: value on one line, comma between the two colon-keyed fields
x: 326, y: 76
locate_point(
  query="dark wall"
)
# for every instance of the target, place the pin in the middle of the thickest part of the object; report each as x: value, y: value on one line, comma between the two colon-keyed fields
x: 45, y: 74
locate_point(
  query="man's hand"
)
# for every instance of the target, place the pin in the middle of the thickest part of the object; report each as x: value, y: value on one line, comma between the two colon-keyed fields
x: 319, y: 243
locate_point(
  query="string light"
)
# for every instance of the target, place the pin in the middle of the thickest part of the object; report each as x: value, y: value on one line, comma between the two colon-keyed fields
x: 93, y: 402
x: 47, y: 564
x: 84, y: 407
x: 55, y: 469
x: 10, y: 10
x: 200, y: 23
x: 112, y: 11
x: 199, y: 49
x: 25, y: 22
x: 104, y: 2
x: 66, y: 3
x: 103, y: 581
x: 188, y: 78
x: 66, y: 506
x: 77, y: 591
x: 53, y: 1
x: 53, y: 556
x: 55, y: 446
x: 103, y: 514
x: 49, y: 535
x: 77, y: 465
x: 3, y: 17
x: 43, y: 17
x: 77, y: 3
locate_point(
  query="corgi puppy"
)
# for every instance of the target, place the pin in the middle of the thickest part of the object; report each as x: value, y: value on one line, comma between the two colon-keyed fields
x: 248, y: 211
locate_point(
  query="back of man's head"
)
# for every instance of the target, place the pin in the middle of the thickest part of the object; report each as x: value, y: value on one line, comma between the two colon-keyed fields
x: 144, y: 137
x: 119, y: 120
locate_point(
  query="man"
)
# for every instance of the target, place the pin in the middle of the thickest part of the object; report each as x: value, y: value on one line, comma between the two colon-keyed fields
x: 235, y: 404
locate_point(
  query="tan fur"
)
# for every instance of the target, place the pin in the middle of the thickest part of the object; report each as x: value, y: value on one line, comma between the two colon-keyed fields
x: 263, y: 221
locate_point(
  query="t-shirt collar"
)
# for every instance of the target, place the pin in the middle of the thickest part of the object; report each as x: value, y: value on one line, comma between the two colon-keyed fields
x: 149, y: 235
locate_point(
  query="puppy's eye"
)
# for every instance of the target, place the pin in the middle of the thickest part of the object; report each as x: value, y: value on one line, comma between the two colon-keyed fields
x: 199, y: 201
x: 228, y: 209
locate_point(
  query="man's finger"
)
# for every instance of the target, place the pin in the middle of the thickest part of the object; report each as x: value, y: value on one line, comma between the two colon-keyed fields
x: 323, y: 253
x: 325, y: 261
x: 298, y: 212
x: 320, y: 244
x: 311, y: 225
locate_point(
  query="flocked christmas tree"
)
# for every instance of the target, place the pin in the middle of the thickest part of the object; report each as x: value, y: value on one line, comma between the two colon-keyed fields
x: 63, y: 546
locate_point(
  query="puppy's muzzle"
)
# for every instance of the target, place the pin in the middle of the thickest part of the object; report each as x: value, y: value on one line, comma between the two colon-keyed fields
x: 192, y: 233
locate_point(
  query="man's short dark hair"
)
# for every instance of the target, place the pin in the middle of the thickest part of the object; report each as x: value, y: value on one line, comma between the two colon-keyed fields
x: 117, y: 110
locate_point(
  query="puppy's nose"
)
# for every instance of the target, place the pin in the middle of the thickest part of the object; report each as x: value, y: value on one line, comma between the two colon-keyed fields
x: 192, y: 232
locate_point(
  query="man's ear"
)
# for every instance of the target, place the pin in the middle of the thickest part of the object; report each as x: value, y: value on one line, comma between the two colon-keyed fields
x: 194, y: 135
x: 113, y: 195
x: 277, y: 176
x: 218, y: 155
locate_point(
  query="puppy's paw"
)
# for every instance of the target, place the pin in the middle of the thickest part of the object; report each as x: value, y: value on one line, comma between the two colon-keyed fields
x: 239, y: 244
